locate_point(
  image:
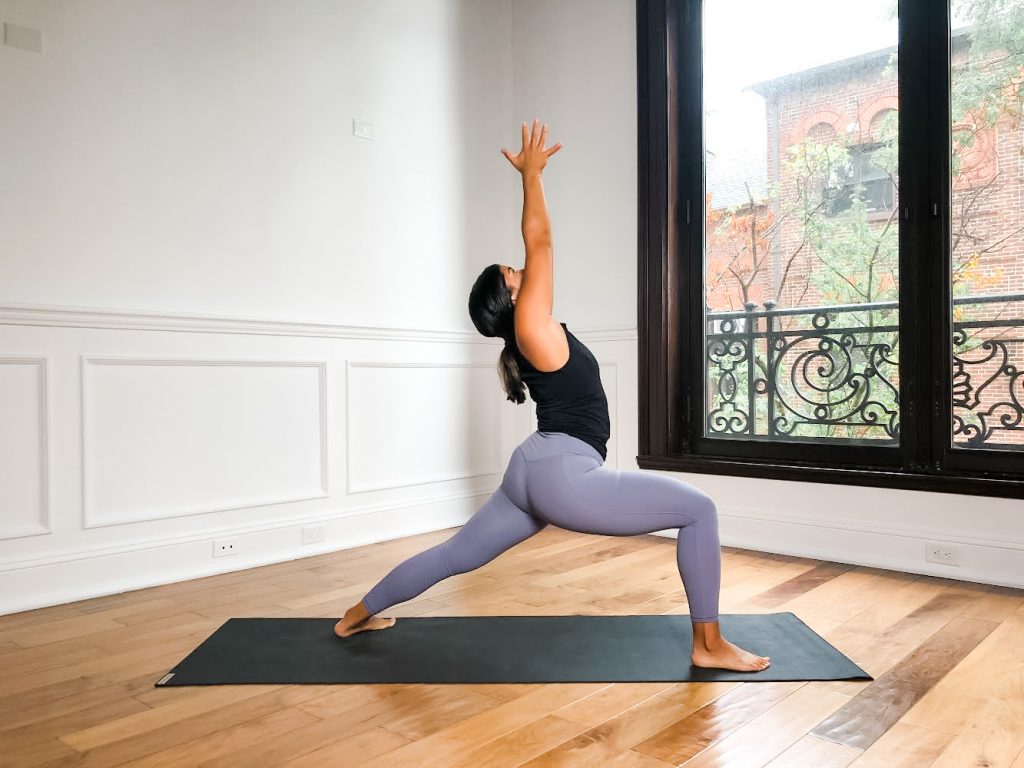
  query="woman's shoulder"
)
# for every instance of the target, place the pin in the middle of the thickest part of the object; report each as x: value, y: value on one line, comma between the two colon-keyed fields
x: 549, y: 348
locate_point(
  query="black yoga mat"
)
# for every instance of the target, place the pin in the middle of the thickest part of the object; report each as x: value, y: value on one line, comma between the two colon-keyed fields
x: 502, y: 649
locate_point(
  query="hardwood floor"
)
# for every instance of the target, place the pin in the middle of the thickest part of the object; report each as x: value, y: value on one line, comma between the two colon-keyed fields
x: 76, y: 681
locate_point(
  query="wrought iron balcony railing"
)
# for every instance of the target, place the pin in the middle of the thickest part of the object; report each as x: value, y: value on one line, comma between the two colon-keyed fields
x: 832, y: 372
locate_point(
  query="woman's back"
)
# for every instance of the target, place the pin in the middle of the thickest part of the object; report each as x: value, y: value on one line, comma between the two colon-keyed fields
x: 570, y: 399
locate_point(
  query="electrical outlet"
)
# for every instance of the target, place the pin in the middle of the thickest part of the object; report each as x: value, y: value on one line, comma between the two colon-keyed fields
x: 313, y: 534
x: 947, y: 554
x: 225, y: 547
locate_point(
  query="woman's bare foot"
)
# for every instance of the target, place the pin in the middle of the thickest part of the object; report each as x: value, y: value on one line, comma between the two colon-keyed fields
x: 374, y: 622
x: 713, y: 651
x: 358, y: 619
x: 729, y: 656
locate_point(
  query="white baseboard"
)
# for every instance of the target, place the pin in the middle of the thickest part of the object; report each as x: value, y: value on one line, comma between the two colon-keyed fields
x: 985, y: 561
x: 68, y: 577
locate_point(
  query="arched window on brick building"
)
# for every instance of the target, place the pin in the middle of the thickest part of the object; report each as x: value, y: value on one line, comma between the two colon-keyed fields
x: 863, y: 175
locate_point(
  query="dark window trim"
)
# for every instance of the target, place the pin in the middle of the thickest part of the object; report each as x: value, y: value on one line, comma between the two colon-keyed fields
x: 670, y: 322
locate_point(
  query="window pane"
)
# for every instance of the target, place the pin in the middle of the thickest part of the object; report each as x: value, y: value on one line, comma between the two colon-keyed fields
x: 801, y: 237
x: 986, y: 227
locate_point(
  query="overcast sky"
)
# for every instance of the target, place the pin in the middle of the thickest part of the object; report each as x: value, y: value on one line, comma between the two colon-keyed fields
x: 748, y: 41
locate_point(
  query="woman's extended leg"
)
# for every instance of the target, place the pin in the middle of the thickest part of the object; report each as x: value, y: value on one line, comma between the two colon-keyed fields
x: 496, y: 527
x: 576, y: 492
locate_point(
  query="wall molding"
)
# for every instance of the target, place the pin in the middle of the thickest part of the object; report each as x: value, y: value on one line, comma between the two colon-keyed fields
x: 88, y: 361
x: 143, y: 544
x: 44, y: 519
x: 140, y: 320
x: 384, y: 364
x: 783, y: 538
x: 909, y: 532
x: 898, y: 565
x: 72, y: 590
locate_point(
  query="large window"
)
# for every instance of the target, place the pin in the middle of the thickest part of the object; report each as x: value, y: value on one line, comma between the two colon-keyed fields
x: 831, y: 277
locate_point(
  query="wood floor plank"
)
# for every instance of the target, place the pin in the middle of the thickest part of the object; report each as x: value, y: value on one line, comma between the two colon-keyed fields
x: 348, y: 751
x: 611, y: 701
x: 881, y: 582
x: 201, y: 702
x: 39, y: 753
x: 771, y: 732
x: 950, y: 704
x: 874, y: 710
x: 877, y: 647
x: 812, y: 752
x: 205, y: 712
x: 61, y: 653
x: 355, y: 723
x: 57, y: 725
x: 72, y: 628
x: 457, y: 741
x: 995, y: 735
x: 800, y: 584
x: 99, y: 671
x: 619, y: 734
x: 522, y: 745
x: 832, y: 591
x: 904, y: 746
x: 51, y: 613
x: 225, y: 742
x: 708, y: 723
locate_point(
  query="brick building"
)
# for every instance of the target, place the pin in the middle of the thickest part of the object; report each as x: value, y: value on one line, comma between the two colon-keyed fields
x: 760, y: 213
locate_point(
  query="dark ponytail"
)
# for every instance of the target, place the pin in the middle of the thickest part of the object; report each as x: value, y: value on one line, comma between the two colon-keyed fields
x: 493, y: 314
x: 508, y: 371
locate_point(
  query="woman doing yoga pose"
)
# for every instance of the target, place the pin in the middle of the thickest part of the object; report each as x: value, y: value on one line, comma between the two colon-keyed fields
x: 557, y: 475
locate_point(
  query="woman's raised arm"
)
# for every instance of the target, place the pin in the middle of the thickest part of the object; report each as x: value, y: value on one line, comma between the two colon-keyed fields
x: 535, y: 328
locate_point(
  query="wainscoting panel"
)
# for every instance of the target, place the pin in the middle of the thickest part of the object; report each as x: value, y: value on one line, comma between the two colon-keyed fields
x: 417, y: 423
x: 169, y: 437
x: 24, y: 447
x: 133, y: 440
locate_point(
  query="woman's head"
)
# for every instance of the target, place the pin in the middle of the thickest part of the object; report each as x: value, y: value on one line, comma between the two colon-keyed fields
x: 492, y: 300
x: 492, y: 310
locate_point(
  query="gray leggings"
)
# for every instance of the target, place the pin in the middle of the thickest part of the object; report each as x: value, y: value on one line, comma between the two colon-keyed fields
x: 555, y: 478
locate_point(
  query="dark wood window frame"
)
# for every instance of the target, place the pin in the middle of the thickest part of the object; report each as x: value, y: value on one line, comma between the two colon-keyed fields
x: 670, y: 277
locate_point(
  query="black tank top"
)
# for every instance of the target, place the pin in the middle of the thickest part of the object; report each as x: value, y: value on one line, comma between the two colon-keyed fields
x: 571, y: 399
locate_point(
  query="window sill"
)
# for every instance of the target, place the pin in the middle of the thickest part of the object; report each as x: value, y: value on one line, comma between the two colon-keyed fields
x: 916, y: 480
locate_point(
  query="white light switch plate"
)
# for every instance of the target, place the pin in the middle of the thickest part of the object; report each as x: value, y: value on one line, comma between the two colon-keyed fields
x: 362, y: 129
x: 25, y: 38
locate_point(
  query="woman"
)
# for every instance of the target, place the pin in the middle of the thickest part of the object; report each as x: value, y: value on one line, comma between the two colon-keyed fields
x: 556, y: 475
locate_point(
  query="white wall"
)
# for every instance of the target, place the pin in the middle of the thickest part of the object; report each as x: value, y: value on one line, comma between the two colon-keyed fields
x: 189, y: 156
x: 212, y: 294
x: 575, y: 68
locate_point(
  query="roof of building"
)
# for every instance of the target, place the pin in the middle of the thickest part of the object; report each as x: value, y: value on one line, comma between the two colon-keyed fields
x: 850, y: 66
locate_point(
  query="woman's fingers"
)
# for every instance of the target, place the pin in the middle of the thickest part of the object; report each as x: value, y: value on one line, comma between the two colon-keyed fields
x: 512, y: 159
x: 533, y: 149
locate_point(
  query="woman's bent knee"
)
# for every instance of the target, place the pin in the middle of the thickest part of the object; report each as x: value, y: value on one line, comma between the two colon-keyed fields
x: 702, y: 508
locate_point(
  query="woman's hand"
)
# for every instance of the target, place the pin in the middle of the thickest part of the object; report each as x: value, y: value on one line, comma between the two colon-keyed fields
x: 533, y: 156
